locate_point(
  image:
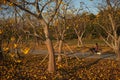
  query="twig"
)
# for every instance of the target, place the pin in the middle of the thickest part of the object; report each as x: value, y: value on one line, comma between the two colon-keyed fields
x: 44, y: 59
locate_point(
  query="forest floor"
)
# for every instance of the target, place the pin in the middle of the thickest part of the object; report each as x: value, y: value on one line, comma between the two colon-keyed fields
x: 84, y: 67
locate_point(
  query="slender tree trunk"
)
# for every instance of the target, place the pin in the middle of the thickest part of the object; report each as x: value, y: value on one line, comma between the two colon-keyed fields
x: 79, y: 41
x: 117, y: 51
x: 51, y: 62
x: 60, y: 51
x: 79, y: 37
x: 118, y: 54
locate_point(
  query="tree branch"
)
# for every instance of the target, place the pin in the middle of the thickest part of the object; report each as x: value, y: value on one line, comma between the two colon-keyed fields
x: 19, y: 6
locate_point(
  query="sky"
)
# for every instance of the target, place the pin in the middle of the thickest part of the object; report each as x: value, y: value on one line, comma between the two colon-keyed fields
x: 91, y: 5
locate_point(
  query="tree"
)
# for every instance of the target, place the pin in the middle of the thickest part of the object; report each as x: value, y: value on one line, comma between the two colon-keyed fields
x: 110, y: 24
x: 61, y: 25
x: 40, y: 7
x: 80, y: 26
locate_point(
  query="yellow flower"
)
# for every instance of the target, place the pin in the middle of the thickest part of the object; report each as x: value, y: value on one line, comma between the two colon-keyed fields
x: 12, y: 38
x: 18, y: 61
x: 11, y: 4
x: 26, y: 50
x: 15, y: 45
x: 5, y: 49
x: 59, y: 66
x: 12, y: 54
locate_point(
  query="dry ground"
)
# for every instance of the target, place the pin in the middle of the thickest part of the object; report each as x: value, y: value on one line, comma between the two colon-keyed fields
x: 31, y: 68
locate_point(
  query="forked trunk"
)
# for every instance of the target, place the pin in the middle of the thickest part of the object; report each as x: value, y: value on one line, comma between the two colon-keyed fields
x: 79, y: 38
x: 79, y: 41
x: 60, y: 51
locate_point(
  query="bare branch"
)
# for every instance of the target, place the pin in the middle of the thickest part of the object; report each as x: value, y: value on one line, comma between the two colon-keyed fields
x: 106, y: 31
x: 45, y: 5
x: 58, y: 3
x: 37, y: 7
x: 19, y: 6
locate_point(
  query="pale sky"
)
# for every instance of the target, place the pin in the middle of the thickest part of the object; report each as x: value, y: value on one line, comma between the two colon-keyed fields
x: 91, y: 5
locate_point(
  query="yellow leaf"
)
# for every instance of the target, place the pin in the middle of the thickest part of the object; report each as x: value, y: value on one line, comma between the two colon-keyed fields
x: 11, y: 4
x: 5, y: 49
x: 26, y: 50
x: 15, y: 45
x: 1, y: 31
x: 12, y: 54
x: 59, y: 66
x: 67, y: 27
x: 18, y: 61
x: 12, y: 38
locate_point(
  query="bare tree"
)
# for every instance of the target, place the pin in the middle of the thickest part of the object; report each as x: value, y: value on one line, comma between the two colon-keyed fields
x: 80, y: 25
x: 110, y: 25
x: 38, y: 9
x: 61, y: 25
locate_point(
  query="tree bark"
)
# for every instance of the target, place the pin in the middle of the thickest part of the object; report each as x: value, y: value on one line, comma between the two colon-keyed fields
x: 51, y: 62
x: 60, y: 51
x: 118, y: 56
x: 79, y: 41
x: 117, y: 52
x: 79, y: 37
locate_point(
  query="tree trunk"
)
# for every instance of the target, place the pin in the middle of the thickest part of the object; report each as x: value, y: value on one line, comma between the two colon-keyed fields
x: 51, y: 62
x: 118, y: 56
x: 117, y: 52
x: 60, y: 51
x: 79, y: 41
x: 79, y: 37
